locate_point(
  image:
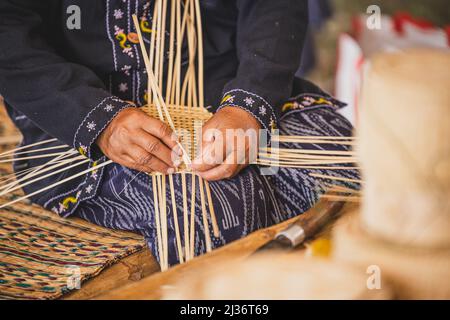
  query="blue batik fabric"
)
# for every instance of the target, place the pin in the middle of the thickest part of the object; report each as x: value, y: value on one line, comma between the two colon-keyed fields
x: 243, y: 204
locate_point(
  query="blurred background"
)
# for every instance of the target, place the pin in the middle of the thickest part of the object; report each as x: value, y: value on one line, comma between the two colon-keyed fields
x: 337, y: 18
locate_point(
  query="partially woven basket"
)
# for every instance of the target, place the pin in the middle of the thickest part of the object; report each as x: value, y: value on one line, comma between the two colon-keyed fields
x: 188, y: 122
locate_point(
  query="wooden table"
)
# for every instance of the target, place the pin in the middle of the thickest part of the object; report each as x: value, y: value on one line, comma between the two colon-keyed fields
x: 128, y: 270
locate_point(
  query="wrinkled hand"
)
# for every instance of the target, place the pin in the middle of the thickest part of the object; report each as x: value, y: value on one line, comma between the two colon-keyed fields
x: 226, y: 152
x: 138, y: 141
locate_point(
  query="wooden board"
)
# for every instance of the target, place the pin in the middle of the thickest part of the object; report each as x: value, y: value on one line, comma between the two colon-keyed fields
x: 128, y: 270
x: 152, y: 286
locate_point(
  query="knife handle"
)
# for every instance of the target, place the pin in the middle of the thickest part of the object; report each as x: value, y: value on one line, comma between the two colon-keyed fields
x: 309, y: 223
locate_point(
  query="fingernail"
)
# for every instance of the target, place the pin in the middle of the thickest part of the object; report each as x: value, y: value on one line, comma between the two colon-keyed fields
x: 177, y: 163
x: 209, y: 136
x: 178, y: 150
x: 175, y: 137
x: 170, y: 170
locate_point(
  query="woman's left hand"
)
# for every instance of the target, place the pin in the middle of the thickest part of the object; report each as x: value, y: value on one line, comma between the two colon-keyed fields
x: 229, y: 144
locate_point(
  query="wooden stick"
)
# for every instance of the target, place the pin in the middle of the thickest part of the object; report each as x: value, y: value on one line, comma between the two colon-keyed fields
x: 304, y: 157
x: 16, y: 185
x: 178, y: 56
x: 349, y: 143
x: 175, y: 219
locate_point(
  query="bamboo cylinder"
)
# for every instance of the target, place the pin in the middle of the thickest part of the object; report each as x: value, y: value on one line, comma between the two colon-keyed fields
x: 404, y: 148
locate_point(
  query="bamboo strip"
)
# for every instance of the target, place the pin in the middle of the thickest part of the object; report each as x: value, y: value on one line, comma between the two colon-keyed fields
x: 300, y: 156
x: 175, y: 219
x: 316, y: 175
x: 28, y: 146
x: 18, y: 184
x: 25, y: 172
x: 337, y: 188
x: 152, y: 52
x: 204, y: 216
x: 185, y: 216
x: 211, y: 209
x: 49, y: 155
x: 163, y: 201
x: 157, y: 220
x: 37, y: 150
x: 170, y: 74
x: 286, y: 138
x: 274, y: 164
x: 57, y: 184
x: 308, y: 151
x: 200, y: 56
x: 192, y: 223
x: 319, y: 141
x: 341, y: 198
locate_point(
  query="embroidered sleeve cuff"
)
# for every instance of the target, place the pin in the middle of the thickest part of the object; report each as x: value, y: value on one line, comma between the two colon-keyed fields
x: 253, y: 104
x: 93, y: 125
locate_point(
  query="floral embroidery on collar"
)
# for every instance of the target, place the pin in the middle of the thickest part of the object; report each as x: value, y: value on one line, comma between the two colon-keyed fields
x: 304, y: 101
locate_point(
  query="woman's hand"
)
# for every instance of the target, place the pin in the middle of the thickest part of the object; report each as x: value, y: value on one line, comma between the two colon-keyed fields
x: 229, y: 144
x: 138, y: 141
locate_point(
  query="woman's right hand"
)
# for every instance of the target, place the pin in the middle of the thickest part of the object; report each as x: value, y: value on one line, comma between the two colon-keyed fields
x: 138, y: 141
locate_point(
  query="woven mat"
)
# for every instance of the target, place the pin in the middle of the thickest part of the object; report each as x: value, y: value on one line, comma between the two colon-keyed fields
x: 42, y: 256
